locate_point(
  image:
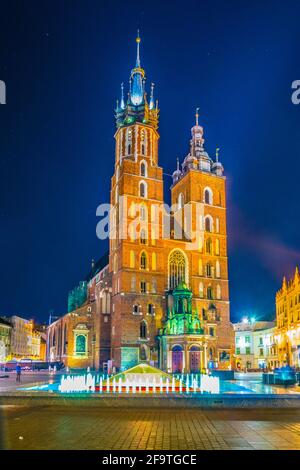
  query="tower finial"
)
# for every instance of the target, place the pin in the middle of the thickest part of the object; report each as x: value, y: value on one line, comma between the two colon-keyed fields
x: 197, y: 116
x: 122, y: 103
x: 217, y: 154
x: 138, y: 40
x: 151, y: 104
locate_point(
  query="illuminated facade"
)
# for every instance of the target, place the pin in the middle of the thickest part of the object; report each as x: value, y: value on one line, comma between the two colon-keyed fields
x: 25, y: 339
x: 255, y: 345
x: 150, y: 262
x: 5, y: 339
x: 164, y: 297
x: 288, y: 321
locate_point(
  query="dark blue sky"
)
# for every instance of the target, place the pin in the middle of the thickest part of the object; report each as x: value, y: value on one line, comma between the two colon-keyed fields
x: 63, y: 62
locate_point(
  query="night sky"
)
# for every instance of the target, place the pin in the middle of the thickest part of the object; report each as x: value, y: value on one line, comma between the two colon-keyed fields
x: 63, y: 62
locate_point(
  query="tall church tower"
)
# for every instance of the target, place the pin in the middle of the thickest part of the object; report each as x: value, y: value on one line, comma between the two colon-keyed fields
x: 135, y: 246
x: 199, y: 194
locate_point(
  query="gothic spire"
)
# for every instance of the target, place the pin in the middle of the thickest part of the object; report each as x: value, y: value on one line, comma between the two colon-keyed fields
x: 137, y: 75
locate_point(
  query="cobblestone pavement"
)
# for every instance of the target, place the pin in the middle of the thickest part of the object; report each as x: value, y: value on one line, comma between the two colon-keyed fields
x: 98, y: 428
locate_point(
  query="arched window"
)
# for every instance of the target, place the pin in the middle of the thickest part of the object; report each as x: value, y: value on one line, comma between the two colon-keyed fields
x: 217, y: 225
x: 143, y: 237
x: 132, y: 259
x: 208, y: 224
x: 177, y: 268
x: 143, y: 353
x: 143, y: 189
x: 200, y: 267
x: 217, y: 246
x: 210, y: 293
x: 154, y: 286
x: 129, y: 141
x: 180, y: 201
x: 218, y: 269
x: 143, y: 212
x: 143, y: 168
x: 208, y: 270
x: 143, y: 330
x: 81, y: 344
x: 143, y: 142
x: 208, y: 196
x: 219, y: 293
x: 201, y: 290
x: 117, y: 195
x: 133, y: 284
x: 154, y: 261
x: 143, y: 260
x: 208, y: 246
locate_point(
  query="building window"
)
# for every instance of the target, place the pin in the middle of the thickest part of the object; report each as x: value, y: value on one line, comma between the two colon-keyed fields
x: 247, y: 339
x: 248, y: 350
x: 180, y: 201
x: 208, y: 270
x: 143, y: 237
x: 261, y: 351
x: 211, y: 331
x: 81, y: 344
x: 219, y: 293
x: 153, y: 261
x: 210, y: 293
x: 143, y: 353
x: 132, y: 258
x: 177, y: 269
x: 218, y: 269
x: 143, y: 169
x: 143, y: 189
x: 143, y: 213
x: 151, y: 309
x: 201, y: 290
x: 208, y: 196
x: 208, y: 246
x: 136, y: 310
x: 208, y: 224
x: 143, y: 261
x: 143, y: 330
x: 143, y: 287
x: 238, y: 351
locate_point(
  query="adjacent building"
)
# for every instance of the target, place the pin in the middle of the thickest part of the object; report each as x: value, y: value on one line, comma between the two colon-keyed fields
x: 25, y: 339
x: 5, y: 339
x: 288, y: 321
x: 255, y: 345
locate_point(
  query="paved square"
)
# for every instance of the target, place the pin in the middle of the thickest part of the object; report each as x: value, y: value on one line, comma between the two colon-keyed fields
x: 165, y: 429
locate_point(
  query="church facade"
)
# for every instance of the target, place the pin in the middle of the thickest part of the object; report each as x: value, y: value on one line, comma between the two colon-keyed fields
x: 162, y: 296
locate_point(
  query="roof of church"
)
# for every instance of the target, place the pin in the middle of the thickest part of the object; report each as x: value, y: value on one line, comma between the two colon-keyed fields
x: 181, y: 287
x: 98, y: 266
